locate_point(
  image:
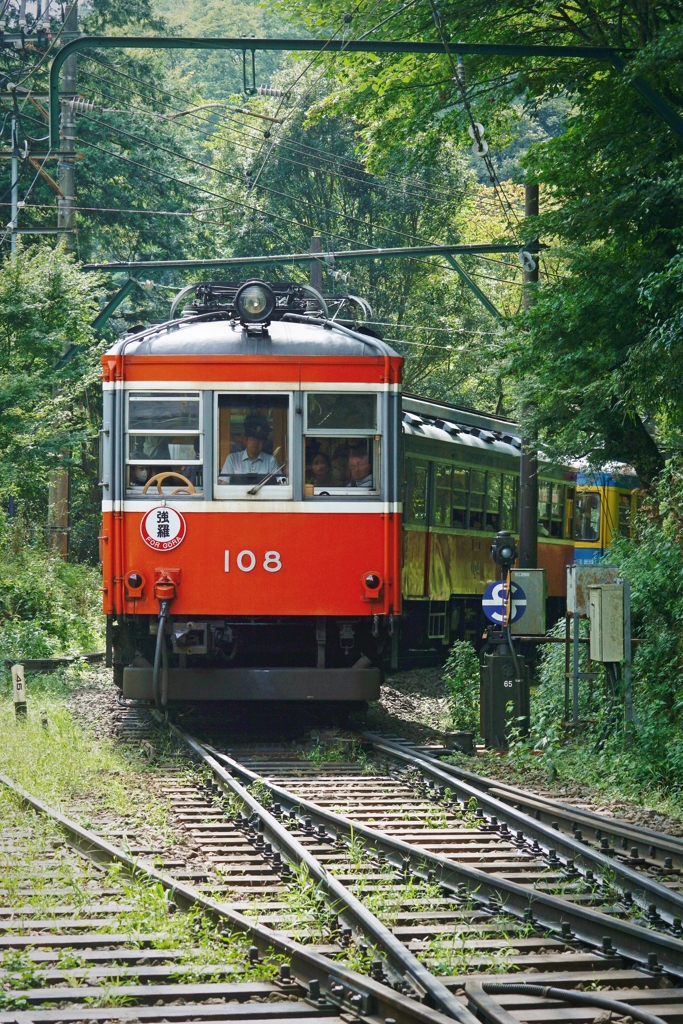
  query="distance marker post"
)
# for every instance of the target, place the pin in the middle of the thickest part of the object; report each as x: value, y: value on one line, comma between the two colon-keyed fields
x: 19, y: 688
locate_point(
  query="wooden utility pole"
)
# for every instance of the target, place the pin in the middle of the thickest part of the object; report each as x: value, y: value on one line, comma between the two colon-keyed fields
x: 528, y: 465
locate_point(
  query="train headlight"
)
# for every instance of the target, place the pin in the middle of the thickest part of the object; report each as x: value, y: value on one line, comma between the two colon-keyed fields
x: 255, y: 302
x: 372, y: 581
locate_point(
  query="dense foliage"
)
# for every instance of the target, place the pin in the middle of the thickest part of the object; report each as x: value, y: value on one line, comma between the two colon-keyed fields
x: 49, y: 387
x: 47, y: 606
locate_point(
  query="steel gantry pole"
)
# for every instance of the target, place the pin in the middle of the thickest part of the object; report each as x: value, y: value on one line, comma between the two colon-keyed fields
x: 67, y: 135
x: 528, y: 463
x: 14, y: 186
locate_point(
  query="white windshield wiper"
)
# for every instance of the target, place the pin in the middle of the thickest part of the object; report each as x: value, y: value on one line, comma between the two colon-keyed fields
x: 257, y: 487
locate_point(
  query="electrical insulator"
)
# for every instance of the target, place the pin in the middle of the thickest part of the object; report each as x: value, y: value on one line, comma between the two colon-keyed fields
x: 79, y: 104
x: 268, y: 90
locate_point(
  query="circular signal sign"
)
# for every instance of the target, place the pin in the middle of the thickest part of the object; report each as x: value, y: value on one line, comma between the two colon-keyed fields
x: 163, y: 529
x: 494, y: 602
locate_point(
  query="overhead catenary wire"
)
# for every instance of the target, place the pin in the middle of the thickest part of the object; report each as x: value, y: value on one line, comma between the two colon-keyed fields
x: 235, y: 177
x: 292, y: 144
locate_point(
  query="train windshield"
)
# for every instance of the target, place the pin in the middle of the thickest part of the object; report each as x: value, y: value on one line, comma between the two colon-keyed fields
x: 253, y: 443
x: 341, y: 445
x: 587, y: 517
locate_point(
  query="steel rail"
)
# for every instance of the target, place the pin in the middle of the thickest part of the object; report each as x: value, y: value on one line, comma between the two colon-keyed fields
x: 650, y: 949
x: 402, y: 960
x: 643, y: 888
x: 601, y: 53
x: 320, y: 973
x: 557, y: 811
x: 479, y: 995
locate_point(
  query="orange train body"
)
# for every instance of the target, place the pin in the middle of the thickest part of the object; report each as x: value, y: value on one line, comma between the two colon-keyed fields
x: 296, y: 520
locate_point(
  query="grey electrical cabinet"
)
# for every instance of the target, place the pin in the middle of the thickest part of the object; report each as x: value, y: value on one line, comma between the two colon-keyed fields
x: 500, y: 688
x: 533, y: 583
x: 580, y: 578
x: 606, y: 605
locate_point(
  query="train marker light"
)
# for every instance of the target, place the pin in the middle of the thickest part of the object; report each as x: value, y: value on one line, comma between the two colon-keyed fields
x: 504, y: 550
x: 255, y: 302
x: 372, y: 586
x: 135, y: 584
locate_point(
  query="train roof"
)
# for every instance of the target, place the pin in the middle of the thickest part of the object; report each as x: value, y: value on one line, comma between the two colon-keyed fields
x: 441, y: 421
x: 194, y: 336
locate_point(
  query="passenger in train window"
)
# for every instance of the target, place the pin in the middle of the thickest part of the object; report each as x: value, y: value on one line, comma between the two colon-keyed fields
x: 319, y: 470
x: 340, y: 465
x: 360, y: 470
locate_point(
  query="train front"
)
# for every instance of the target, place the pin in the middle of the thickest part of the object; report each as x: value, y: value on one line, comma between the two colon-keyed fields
x: 251, y: 509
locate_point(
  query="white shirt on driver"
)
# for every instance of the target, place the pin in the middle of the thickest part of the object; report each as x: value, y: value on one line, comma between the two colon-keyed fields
x: 238, y: 463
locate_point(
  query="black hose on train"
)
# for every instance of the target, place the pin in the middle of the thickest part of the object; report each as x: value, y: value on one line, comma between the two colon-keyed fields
x: 161, y: 654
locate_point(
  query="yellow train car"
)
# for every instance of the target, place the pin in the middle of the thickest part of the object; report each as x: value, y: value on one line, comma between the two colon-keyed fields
x: 604, y: 505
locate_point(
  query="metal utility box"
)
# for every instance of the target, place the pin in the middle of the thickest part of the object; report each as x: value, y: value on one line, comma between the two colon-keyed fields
x: 607, y: 622
x: 499, y: 688
x: 579, y: 579
x: 533, y: 583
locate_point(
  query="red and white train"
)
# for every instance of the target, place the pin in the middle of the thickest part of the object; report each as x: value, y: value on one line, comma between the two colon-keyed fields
x: 256, y: 460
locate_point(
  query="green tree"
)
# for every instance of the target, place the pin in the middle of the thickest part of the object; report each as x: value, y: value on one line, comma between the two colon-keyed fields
x: 586, y: 358
x: 49, y: 385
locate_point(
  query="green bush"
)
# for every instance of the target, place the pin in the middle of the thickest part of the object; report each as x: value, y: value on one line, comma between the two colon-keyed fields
x: 648, y: 755
x: 461, y: 675
x: 47, y: 607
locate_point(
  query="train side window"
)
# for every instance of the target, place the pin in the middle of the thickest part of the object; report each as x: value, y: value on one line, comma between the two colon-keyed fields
x: 493, y: 501
x: 544, y: 508
x: 509, y: 503
x: 442, y: 495
x: 587, y: 517
x: 341, y: 445
x: 461, y: 486
x: 417, y: 476
x: 164, y: 437
x: 625, y: 515
x: 550, y: 509
x: 477, y: 499
x: 252, y: 448
x: 569, y: 512
x: 557, y: 510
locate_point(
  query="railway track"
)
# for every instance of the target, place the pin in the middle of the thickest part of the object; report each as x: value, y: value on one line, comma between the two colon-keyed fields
x: 381, y: 896
x: 477, y: 906
x: 80, y: 943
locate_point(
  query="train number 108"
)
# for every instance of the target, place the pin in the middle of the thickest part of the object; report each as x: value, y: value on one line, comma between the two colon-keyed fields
x: 246, y: 561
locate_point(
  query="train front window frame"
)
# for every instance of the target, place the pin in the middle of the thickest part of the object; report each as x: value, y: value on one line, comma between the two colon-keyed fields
x: 238, y: 474
x: 164, y: 435
x: 587, y: 514
x: 341, y: 444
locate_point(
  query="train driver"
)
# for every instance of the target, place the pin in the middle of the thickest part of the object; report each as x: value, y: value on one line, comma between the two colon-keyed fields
x: 359, y: 468
x: 252, y: 459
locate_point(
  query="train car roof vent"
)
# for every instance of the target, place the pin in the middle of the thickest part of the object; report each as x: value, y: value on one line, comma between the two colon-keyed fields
x: 414, y: 421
